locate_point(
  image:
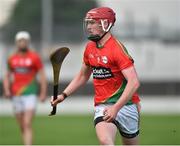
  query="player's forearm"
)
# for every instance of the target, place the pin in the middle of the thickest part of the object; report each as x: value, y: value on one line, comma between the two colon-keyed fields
x: 78, y: 81
x: 6, y: 83
x: 130, y: 89
x: 43, y: 88
x: 43, y: 83
x: 6, y: 86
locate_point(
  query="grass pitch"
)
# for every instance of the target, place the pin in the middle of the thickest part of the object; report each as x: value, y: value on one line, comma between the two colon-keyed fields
x: 79, y: 129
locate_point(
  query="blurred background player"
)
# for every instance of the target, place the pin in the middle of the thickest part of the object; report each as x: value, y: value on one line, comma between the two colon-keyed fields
x: 20, y: 83
x: 114, y: 77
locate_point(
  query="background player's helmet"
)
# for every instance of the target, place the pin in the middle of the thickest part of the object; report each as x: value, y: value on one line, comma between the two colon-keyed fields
x: 22, y: 40
x: 22, y: 35
x: 100, y: 14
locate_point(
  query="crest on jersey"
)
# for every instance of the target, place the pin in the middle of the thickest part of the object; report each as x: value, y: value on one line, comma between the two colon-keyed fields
x: 28, y: 61
x: 104, y: 59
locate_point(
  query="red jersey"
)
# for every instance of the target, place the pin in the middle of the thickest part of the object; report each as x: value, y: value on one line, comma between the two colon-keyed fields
x: 24, y: 68
x: 107, y: 64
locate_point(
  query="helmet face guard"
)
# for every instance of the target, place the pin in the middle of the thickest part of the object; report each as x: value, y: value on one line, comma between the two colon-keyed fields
x: 90, y: 36
x: 100, y: 23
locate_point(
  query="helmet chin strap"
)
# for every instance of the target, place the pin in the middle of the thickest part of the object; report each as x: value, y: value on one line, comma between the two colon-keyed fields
x: 99, y: 45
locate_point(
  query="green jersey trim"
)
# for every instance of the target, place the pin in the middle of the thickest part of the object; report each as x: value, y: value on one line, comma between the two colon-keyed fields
x: 32, y: 88
x: 115, y: 97
x: 125, y: 50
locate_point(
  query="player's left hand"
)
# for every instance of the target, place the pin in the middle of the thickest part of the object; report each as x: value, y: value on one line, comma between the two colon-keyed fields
x: 110, y: 113
x: 42, y: 97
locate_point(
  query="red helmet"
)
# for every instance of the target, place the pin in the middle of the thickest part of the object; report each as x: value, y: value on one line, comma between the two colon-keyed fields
x: 102, y: 13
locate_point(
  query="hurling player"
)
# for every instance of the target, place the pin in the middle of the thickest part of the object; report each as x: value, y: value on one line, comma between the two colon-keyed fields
x: 114, y: 77
x: 20, y: 83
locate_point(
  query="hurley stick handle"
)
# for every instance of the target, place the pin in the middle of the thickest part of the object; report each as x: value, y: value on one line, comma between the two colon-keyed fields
x: 55, y: 94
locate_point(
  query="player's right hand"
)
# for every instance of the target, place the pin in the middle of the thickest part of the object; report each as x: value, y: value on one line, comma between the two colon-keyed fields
x: 7, y: 94
x: 59, y: 99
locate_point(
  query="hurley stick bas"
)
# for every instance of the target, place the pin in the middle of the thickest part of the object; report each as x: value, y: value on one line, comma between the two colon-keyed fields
x: 56, y: 59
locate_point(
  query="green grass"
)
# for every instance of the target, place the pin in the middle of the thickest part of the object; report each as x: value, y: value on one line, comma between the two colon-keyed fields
x: 76, y: 129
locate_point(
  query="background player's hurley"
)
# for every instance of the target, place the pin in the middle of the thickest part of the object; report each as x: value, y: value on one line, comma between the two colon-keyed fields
x: 56, y: 59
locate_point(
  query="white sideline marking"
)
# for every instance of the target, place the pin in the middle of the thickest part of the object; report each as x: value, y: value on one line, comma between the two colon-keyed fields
x: 84, y: 105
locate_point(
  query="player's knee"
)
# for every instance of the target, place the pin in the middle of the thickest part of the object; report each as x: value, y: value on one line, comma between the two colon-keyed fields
x: 27, y: 125
x: 21, y: 127
x: 104, y: 140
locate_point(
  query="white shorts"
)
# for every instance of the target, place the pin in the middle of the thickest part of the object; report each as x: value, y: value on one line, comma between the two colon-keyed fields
x: 127, y: 120
x: 24, y: 102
